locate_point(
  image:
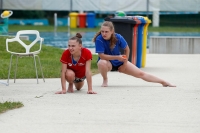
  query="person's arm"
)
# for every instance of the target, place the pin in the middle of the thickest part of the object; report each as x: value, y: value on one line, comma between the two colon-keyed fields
x: 111, y: 57
x: 63, y: 80
x: 126, y: 52
x: 88, y: 75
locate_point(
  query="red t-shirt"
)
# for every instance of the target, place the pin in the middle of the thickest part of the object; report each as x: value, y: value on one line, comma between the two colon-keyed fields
x: 79, y: 67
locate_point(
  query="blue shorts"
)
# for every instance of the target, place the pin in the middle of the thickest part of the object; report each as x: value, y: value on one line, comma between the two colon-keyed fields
x: 77, y: 80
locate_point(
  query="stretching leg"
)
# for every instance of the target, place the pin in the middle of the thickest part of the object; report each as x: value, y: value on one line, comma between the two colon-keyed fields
x: 136, y: 72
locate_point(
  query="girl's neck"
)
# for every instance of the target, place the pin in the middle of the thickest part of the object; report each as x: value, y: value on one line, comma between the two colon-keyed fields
x: 78, y: 54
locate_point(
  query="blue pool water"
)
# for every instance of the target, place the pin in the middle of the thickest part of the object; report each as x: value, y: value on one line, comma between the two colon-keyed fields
x: 59, y: 39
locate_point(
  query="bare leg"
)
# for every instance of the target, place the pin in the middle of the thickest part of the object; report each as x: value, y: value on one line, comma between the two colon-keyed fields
x: 104, y: 66
x: 70, y: 76
x: 70, y: 88
x: 136, y: 72
x: 79, y: 85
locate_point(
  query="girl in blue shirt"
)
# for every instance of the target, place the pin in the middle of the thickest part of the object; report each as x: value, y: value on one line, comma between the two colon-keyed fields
x: 108, y: 45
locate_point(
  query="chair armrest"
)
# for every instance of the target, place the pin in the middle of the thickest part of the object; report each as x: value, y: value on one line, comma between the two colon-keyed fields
x: 41, y: 41
x: 9, y: 40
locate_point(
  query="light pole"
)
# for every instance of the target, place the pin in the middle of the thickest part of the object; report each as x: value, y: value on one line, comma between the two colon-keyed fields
x: 147, y: 8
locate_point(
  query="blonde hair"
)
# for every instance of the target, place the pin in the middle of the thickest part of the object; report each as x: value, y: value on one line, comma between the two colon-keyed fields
x: 113, y: 38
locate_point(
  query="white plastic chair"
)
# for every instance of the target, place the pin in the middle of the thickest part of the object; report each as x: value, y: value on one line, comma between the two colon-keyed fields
x: 27, y: 48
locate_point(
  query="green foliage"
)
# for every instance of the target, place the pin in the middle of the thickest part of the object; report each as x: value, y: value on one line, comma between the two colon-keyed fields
x: 29, y: 14
x: 9, y: 105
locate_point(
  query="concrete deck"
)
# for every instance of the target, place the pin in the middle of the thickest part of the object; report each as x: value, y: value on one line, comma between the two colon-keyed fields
x: 128, y: 105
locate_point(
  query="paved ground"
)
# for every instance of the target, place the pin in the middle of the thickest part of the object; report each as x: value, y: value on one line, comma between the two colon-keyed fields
x: 128, y: 105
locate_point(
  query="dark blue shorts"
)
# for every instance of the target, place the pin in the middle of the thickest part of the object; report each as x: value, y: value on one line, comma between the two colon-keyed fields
x: 115, y: 68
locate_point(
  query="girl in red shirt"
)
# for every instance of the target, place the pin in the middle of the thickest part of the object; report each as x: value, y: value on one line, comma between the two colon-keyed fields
x: 76, y: 64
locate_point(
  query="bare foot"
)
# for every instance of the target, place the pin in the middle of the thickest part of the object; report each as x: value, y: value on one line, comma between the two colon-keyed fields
x: 166, y: 84
x: 105, y: 83
x: 70, y: 91
x: 70, y: 88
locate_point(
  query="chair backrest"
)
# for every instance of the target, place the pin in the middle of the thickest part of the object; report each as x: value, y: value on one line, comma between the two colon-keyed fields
x: 27, y: 47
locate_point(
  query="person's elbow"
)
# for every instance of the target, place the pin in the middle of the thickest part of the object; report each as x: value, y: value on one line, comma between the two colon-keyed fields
x: 102, y: 56
x: 127, y: 48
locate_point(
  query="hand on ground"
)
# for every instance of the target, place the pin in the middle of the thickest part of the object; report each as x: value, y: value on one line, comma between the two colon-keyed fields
x: 60, y: 92
x: 91, y: 92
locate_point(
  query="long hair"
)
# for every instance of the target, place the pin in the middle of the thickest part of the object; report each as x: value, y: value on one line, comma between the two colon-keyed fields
x: 113, y: 38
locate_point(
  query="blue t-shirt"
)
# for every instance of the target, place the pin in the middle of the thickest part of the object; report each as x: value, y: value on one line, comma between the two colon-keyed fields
x: 103, y: 46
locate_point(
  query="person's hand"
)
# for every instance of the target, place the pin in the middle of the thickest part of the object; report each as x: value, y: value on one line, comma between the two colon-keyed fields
x: 91, y: 92
x: 61, y: 92
x: 122, y: 58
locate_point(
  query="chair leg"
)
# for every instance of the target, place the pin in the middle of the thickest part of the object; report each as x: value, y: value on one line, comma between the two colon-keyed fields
x: 16, y: 68
x: 41, y: 68
x: 9, y: 69
x: 35, y: 68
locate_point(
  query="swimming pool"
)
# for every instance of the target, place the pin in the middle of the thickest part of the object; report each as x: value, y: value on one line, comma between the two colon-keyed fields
x: 59, y: 39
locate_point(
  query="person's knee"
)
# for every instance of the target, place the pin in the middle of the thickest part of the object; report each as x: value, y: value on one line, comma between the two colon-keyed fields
x: 140, y: 75
x: 69, y: 76
x: 78, y: 88
x: 79, y: 85
x: 102, y: 64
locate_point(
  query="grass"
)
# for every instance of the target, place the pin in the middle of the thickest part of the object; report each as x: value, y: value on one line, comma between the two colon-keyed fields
x: 50, y: 61
x: 5, y: 106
